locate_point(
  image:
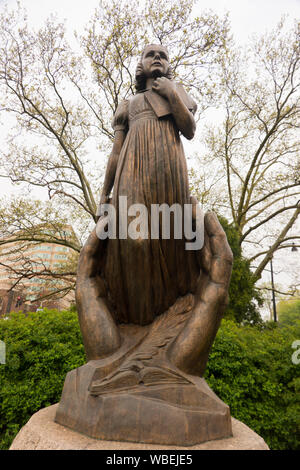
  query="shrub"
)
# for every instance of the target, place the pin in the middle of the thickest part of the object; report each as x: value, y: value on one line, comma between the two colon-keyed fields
x: 41, y: 348
x: 250, y: 369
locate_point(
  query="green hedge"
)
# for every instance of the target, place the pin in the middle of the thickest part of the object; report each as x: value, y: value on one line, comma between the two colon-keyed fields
x: 250, y: 368
x: 40, y: 349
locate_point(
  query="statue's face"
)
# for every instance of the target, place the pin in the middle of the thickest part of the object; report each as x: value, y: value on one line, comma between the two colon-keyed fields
x: 155, y: 61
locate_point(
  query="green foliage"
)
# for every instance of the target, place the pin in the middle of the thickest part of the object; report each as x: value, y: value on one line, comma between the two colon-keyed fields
x: 250, y: 369
x: 244, y: 298
x: 289, y: 311
x: 40, y: 349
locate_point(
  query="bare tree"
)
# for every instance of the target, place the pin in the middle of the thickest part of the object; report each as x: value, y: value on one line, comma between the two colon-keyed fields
x: 255, y: 151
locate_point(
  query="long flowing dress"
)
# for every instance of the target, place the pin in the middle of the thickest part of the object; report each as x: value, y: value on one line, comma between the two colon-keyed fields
x: 145, y: 276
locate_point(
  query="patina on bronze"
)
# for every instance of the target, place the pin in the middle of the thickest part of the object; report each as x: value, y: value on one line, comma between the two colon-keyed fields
x: 149, y: 309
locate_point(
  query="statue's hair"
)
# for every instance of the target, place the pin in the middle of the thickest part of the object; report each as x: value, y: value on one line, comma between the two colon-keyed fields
x: 140, y: 77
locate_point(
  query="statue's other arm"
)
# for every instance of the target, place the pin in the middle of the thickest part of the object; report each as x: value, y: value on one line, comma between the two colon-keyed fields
x: 112, y: 165
x: 183, y: 117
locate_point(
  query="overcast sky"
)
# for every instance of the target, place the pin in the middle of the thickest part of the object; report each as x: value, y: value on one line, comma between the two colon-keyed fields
x: 247, y: 16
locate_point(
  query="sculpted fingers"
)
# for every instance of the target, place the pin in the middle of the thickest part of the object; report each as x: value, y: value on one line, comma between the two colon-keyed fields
x: 221, y: 254
x: 90, y: 254
x: 159, y: 81
x: 218, y: 239
x: 157, y: 85
x: 163, y: 86
x: 205, y: 256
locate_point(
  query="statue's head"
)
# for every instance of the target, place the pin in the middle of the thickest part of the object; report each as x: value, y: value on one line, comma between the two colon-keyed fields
x: 154, y: 63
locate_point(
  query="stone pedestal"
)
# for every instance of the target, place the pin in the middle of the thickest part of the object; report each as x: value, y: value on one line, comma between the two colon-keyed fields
x: 163, y: 406
x: 42, y: 433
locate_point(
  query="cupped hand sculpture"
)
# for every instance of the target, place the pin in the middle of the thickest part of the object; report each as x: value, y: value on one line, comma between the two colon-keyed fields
x: 144, y: 383
x: 189, y: 350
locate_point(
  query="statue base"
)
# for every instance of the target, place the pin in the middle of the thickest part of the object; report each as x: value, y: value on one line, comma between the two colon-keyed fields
x: 42, y: 433
x: 162, y: 408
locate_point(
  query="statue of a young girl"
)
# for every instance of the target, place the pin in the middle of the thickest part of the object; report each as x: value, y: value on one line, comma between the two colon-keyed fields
x: 144, y: 277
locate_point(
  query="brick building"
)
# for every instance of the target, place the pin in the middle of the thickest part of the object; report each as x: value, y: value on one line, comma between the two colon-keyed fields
x: 41, y: 256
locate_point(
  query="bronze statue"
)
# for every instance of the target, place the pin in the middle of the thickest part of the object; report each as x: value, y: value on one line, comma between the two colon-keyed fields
x: 149, y: 309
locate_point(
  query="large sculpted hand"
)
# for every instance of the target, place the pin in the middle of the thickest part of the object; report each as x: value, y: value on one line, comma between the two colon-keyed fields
x: 191, y: 348
x: 99, y: 332
x: 189, y: 352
